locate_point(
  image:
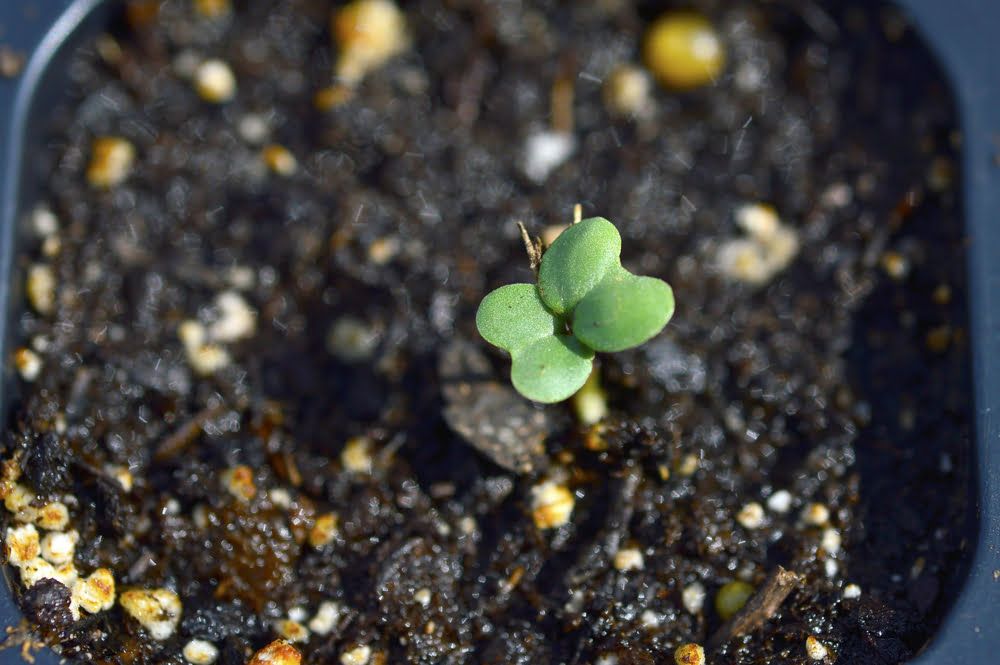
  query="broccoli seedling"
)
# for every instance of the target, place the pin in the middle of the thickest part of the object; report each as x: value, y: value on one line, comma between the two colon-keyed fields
x: 585, y: 301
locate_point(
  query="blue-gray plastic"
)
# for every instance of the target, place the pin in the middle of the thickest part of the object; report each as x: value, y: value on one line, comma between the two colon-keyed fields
x: 964, y: 34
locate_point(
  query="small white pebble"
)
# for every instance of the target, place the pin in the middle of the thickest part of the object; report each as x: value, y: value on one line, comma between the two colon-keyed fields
x: 18, y: 498
x: 780, y: 501
x: 22, y: 544
x: 831, y: 540
x: 693, y: 597
x: 280, y: 497
x: 352, y: 340
x: 751, y: 516
x: 293, y: 631
x: 241, y: 278
x: 40, y: 287
x: 357, y: 656
x: 236, y: 319
x: 51, y: 247
x: 852, y: 591
x: 544, y: 152
x: 423, y: 597
x: 44, y: 222
x: 606, y: 659
x: 759, y: 220
x: 95, y: 593
x: 215, y: 81
x: 200, y: 652
x: 650, y: 619
x: 815, y: 648
x: 551, y: 504
x: 629, y: 559
x: 816, y: 514
x: 831, y: 568
x: 326, y: 618
x: 156, y: 610
x: 28, y: 363
x: 298, y: 613
x: 59, y: 547
x: 35, y: 569
x: 357, y: 455
x: 254, y: 128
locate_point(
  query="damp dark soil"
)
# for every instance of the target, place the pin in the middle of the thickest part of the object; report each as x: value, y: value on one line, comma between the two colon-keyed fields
x: 843, y: 381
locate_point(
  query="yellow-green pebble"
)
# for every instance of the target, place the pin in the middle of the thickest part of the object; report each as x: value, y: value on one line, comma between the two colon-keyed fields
x: 683, y: 50
x: 732, y: 597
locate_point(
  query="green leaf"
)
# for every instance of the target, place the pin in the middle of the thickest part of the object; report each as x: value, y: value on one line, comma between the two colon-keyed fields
x: 514, y: 316
x: 623, y: 311
x: 551, y: 369
x: 577, y: 261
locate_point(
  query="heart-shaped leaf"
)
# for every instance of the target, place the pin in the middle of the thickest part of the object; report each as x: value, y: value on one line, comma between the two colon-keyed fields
x: 514, y: 316
x: 623, y: 311
x: 551, y: 368
x: 577, y: 261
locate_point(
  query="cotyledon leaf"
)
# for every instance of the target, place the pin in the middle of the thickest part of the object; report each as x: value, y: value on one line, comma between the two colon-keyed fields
x: 551, y: 369
x: 577, y: 261
x: 514, y: 316
x: 623, y: 311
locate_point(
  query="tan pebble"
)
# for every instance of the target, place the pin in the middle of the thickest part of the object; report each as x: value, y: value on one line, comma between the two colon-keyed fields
x: 121, y: 474
x: 59, y: 547
x: 293, y: 631
x: 280, y: 160
x: 53, y: 516
x: 238, y: 481
x: 278, y: 652
x: 941, y: 294
x: 324, y: 530
x: 759, y: 220
x: 28, y: 363
x: 200, y: 652
x: 156, y: 610
x: 629, y: 559
x: 40, y: 287
x: 22, y: 544
x: 215, y: 82
x: 383, y: 250
x: 690, y: 654
x: 895, y: 265
x: 38, y: 569
x: 688, y: 465
x: 683, y: 50
x: 326, y: 618
x: 551, y: 504
x: 357, y: 455
x: 751, y: 516
x: 939, y: 338
x: 51, y: 247
x: 627, y: 91
x: 852, y: 591
x: 17, y: 498
x: 423, y: 597
x: 815, y: 649
x: 212, y: 9
x: 368, y: 33
x: 359, y: 655
x: 111, y: 161
x: 96, y: 592
x: 329, y: 98
x: 816, y: 514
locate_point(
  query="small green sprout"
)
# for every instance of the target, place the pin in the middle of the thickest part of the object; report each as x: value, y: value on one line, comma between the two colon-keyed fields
x: 585, y: 301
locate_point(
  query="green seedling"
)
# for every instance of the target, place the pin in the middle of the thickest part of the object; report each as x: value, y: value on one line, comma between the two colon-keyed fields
x: 585, y: 301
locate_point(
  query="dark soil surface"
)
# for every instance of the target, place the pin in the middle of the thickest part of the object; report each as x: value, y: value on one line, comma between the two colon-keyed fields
x: 843, y: 381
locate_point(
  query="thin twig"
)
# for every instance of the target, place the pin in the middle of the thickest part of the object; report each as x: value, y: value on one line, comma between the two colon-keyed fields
x: 761, y: 607
x: 182, y: 437
x: 533, y: 247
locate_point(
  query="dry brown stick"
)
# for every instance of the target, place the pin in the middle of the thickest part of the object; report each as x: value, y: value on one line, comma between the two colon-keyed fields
x: 178, y: 440
x: 533, y: 246
x: 761, y: 607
